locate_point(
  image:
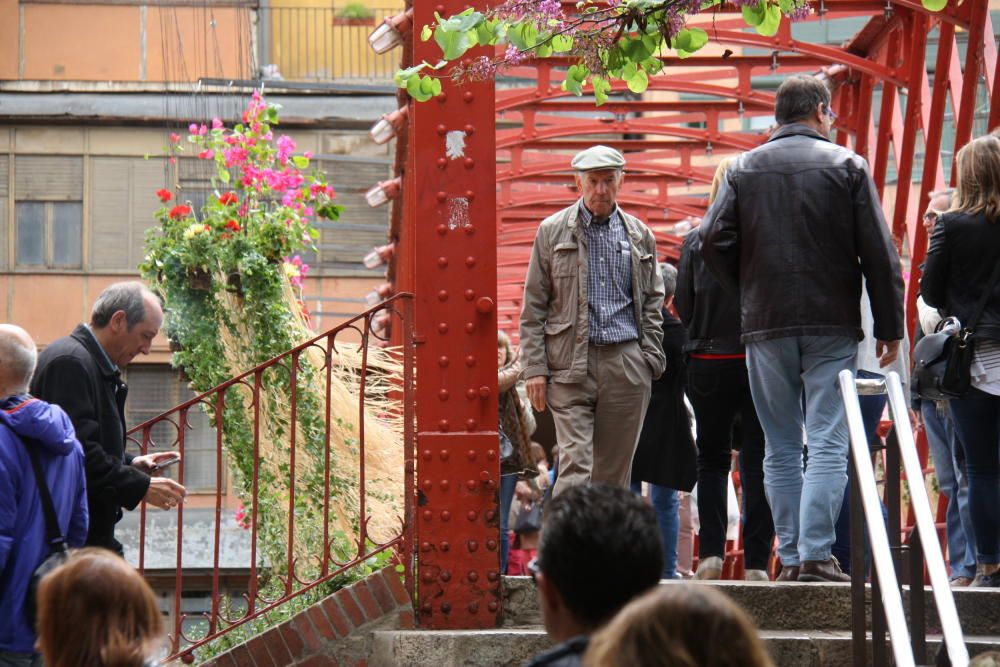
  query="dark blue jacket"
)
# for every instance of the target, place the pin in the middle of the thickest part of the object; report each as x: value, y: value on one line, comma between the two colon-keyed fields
x: 22, y: 524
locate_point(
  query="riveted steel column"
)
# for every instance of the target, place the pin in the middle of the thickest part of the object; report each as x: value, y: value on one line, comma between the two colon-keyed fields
x: 450, y: 222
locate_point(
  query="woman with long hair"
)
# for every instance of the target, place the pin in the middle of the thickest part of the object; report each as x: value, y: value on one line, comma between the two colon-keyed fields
x: 97, y: 611
x: 681, y: 625
x: 962, y: 257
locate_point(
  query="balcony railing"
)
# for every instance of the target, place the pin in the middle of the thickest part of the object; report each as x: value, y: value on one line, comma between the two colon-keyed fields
x: 321, y: 44
x: 345, y: 488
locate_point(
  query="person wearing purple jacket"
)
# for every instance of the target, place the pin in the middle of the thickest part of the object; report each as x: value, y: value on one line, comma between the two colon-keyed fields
x: 28, y: 422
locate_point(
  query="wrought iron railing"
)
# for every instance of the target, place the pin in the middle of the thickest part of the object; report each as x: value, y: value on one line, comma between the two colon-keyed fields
x: 209, y: 560
x: 322, y: 44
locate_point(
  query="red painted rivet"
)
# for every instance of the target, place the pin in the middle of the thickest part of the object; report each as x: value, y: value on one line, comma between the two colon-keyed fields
x: 471, y: 514
x: 445, y: 515
x: 470, y: 393
x: 443, y: 262
x: 470, y: 327
x: 492, y: 575
x: 484, y: 305
x: 469, y: 163
x: 469, y: 130
x: 468, y: 96
x: 470, y: 261
x: 443, y: 362
x: 472, y: 545
x: 427, y: 455
x: 470, y: 361
x: 484, y: 391
x: 427, y: 515
x: 442, y: 130
x: 445, y: 454
x: 426, y: 608
x: 470, y: 295
x: 470, y: 424
x: 439, y: 9
x: 443, y: 394
x: 470, y: 195
x: 490, y: 515
x: 442, y: 163
x: 443, y: 97
x: 484, y: 475
x: 471, y: 454
x: 442, y: 229
x: 473, y: 576
x: 442, y: 196
x: 471, y: 485
x: 445, y: 485
x: 443, y: 295
x: 443, y: 328
x: 425, y: 546
x: 428, y: 577
x: 446, y: 575
x: 492, y: 605
x: 428, y: 485
x: 491, y: 545
x: 445, y: 546
x: 491, y: 455
x: 443, y: 425
x: 490, y: 485
x: 473, y: 607
x: 445, y: 608
x: 470, y: 229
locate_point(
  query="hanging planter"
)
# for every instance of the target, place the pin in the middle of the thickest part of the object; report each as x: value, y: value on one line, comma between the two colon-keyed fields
x: 234, y: 282
x: 199, y: 280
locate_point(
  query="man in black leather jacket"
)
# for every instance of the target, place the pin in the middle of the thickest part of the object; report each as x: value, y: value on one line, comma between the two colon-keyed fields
x: 796, y: 224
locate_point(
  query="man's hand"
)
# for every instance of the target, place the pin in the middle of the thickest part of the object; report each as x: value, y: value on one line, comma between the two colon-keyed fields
x: 887, y: 351
x: 536, y: 391
x: 149, y: 463
x: 164, y: 493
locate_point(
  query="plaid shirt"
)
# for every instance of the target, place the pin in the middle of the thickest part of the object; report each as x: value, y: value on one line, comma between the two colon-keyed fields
x: 609, y: 279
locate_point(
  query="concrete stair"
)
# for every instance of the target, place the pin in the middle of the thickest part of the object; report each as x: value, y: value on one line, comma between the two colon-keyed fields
x: 804, y: 625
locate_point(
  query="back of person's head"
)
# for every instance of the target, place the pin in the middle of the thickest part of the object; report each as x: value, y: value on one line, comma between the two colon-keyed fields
x: 129, y: 297
x: 988, y: 659
x: 97, y: 611
x: 669, y: 274
x: 600, y: 547
x: 978, y: 169
x: 680, y: 625
x: 797, y: 98
x: 17, y: 359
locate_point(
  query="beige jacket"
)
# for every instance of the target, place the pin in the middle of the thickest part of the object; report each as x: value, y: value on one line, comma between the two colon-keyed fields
x: 554, y: 316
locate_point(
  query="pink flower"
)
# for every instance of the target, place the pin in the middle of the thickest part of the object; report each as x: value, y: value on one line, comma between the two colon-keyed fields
x: 285, y: 148
x: 203, y: 130
x: 216, y: 124
x: 207, y: 154
x: 174, y: 137
x: 193, y: 128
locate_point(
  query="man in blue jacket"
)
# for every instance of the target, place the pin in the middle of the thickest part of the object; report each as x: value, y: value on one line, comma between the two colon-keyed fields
x: 28, y: 422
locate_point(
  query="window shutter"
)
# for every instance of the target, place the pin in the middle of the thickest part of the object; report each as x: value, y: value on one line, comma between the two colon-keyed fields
x: 351, y: 180
x: 48, y: 178
x: 3, y: 231
x: 109, y: 213
x: 148, y: 176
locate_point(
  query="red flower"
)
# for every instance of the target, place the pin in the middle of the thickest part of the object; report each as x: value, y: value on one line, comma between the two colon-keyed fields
x: 164, y: 195
x: 178, y: 212
x: 225, y: 236
x: 233, y: 226
x: 208, y: 228
x: 228, y: 198
x: 174, y: 137
x: 207, y: 154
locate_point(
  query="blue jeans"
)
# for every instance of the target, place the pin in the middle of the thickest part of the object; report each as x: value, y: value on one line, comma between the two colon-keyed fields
x: 507, y: 485
x: 945, y: 449
x: 783, y: 371
x: 977, y: 420
x: 666, y: 504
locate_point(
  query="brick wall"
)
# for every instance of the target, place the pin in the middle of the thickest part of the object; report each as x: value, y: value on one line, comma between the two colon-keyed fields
x: 336, y: 631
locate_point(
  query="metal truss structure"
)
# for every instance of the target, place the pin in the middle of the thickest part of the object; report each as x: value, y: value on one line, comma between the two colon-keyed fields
x: 464, y: 231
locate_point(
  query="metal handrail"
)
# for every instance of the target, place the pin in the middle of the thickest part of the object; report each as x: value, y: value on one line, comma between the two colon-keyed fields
x: 951, y: 627
x: 878, y: 536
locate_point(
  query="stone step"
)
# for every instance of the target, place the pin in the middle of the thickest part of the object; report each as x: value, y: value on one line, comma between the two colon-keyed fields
x: 514, y: 646
x: 789, y: 606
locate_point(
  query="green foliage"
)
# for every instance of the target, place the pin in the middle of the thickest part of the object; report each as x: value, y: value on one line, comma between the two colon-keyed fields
x: 935, y: 5
x: 355, y: 10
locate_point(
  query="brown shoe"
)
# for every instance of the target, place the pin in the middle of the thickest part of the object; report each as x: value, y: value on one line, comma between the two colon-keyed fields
x: 960, y: 582
x: 822, y: 570
x: 790, y: 573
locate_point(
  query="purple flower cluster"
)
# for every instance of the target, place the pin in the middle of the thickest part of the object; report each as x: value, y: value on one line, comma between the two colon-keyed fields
x: 481, y: 69
x: 513, y: 56
x: 799, y: 13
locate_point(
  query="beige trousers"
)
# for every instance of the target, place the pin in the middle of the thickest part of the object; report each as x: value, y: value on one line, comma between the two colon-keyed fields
x: 598, y: 421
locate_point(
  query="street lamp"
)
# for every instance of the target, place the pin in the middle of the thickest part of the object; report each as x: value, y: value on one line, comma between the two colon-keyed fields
x: 384, y: 191
x: 389, y: 124
x: 390, y: 34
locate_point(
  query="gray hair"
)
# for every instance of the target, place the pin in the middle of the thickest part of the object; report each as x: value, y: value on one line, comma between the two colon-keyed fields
x: 669, y: 274
x: 17, y: 358
x: 943, y: 192
x: 798, y: 97
x: 128, y: 296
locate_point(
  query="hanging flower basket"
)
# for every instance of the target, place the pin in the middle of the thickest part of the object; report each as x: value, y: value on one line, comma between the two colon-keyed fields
x: 199, y: 280
x: 234, y: 282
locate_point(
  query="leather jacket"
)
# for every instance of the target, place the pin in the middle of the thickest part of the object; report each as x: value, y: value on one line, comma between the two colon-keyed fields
x: 961, y: 257
x: 710, y: 313
x: 796, y: 223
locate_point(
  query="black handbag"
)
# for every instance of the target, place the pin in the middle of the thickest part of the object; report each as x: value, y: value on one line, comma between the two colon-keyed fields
x: 943, y: 361
x: 53, y: 536
x: 530, y: 520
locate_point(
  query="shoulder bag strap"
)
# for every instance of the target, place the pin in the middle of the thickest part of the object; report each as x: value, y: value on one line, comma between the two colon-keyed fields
x: 53, y: 535
x: 981, y: 306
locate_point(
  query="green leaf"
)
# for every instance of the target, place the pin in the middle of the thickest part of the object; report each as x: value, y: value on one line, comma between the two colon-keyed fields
x: 629, y: 70
x: 223, y: 174
x: 300, y: 161
x: 414, y: 88
x: 634, y: 49
x: 690, y: 39
x: 426, y: 33
x: 523, y: 35
x: 543, y: 51
x: 772, y: 21
x: 435, y: 86
x: 576, y: 76
x: 787, y: 5
x: 403, y: 76
x: 426, y: 85
x: 601, y: 88
x: 453, y: 44
x: 486, y: 32
x: 639, y: 82
x: 754, y: 15
x: 935, y: 5
x: 562, y: 43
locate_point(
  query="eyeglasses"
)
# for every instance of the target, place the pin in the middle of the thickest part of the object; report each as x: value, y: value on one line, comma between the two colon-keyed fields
x: 533, y: 569
x: 829, y: 112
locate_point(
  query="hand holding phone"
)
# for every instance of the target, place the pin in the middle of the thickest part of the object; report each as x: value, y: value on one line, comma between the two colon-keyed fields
x: 165, y: 462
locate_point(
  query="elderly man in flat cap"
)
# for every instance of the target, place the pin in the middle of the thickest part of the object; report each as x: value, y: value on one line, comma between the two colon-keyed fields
x: 591, y: 325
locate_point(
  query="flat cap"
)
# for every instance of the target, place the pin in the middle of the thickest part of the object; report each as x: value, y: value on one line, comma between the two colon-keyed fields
x: 598, y: 157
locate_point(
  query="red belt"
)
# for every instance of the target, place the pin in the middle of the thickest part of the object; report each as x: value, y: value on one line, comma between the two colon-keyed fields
x: 695, y: 355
